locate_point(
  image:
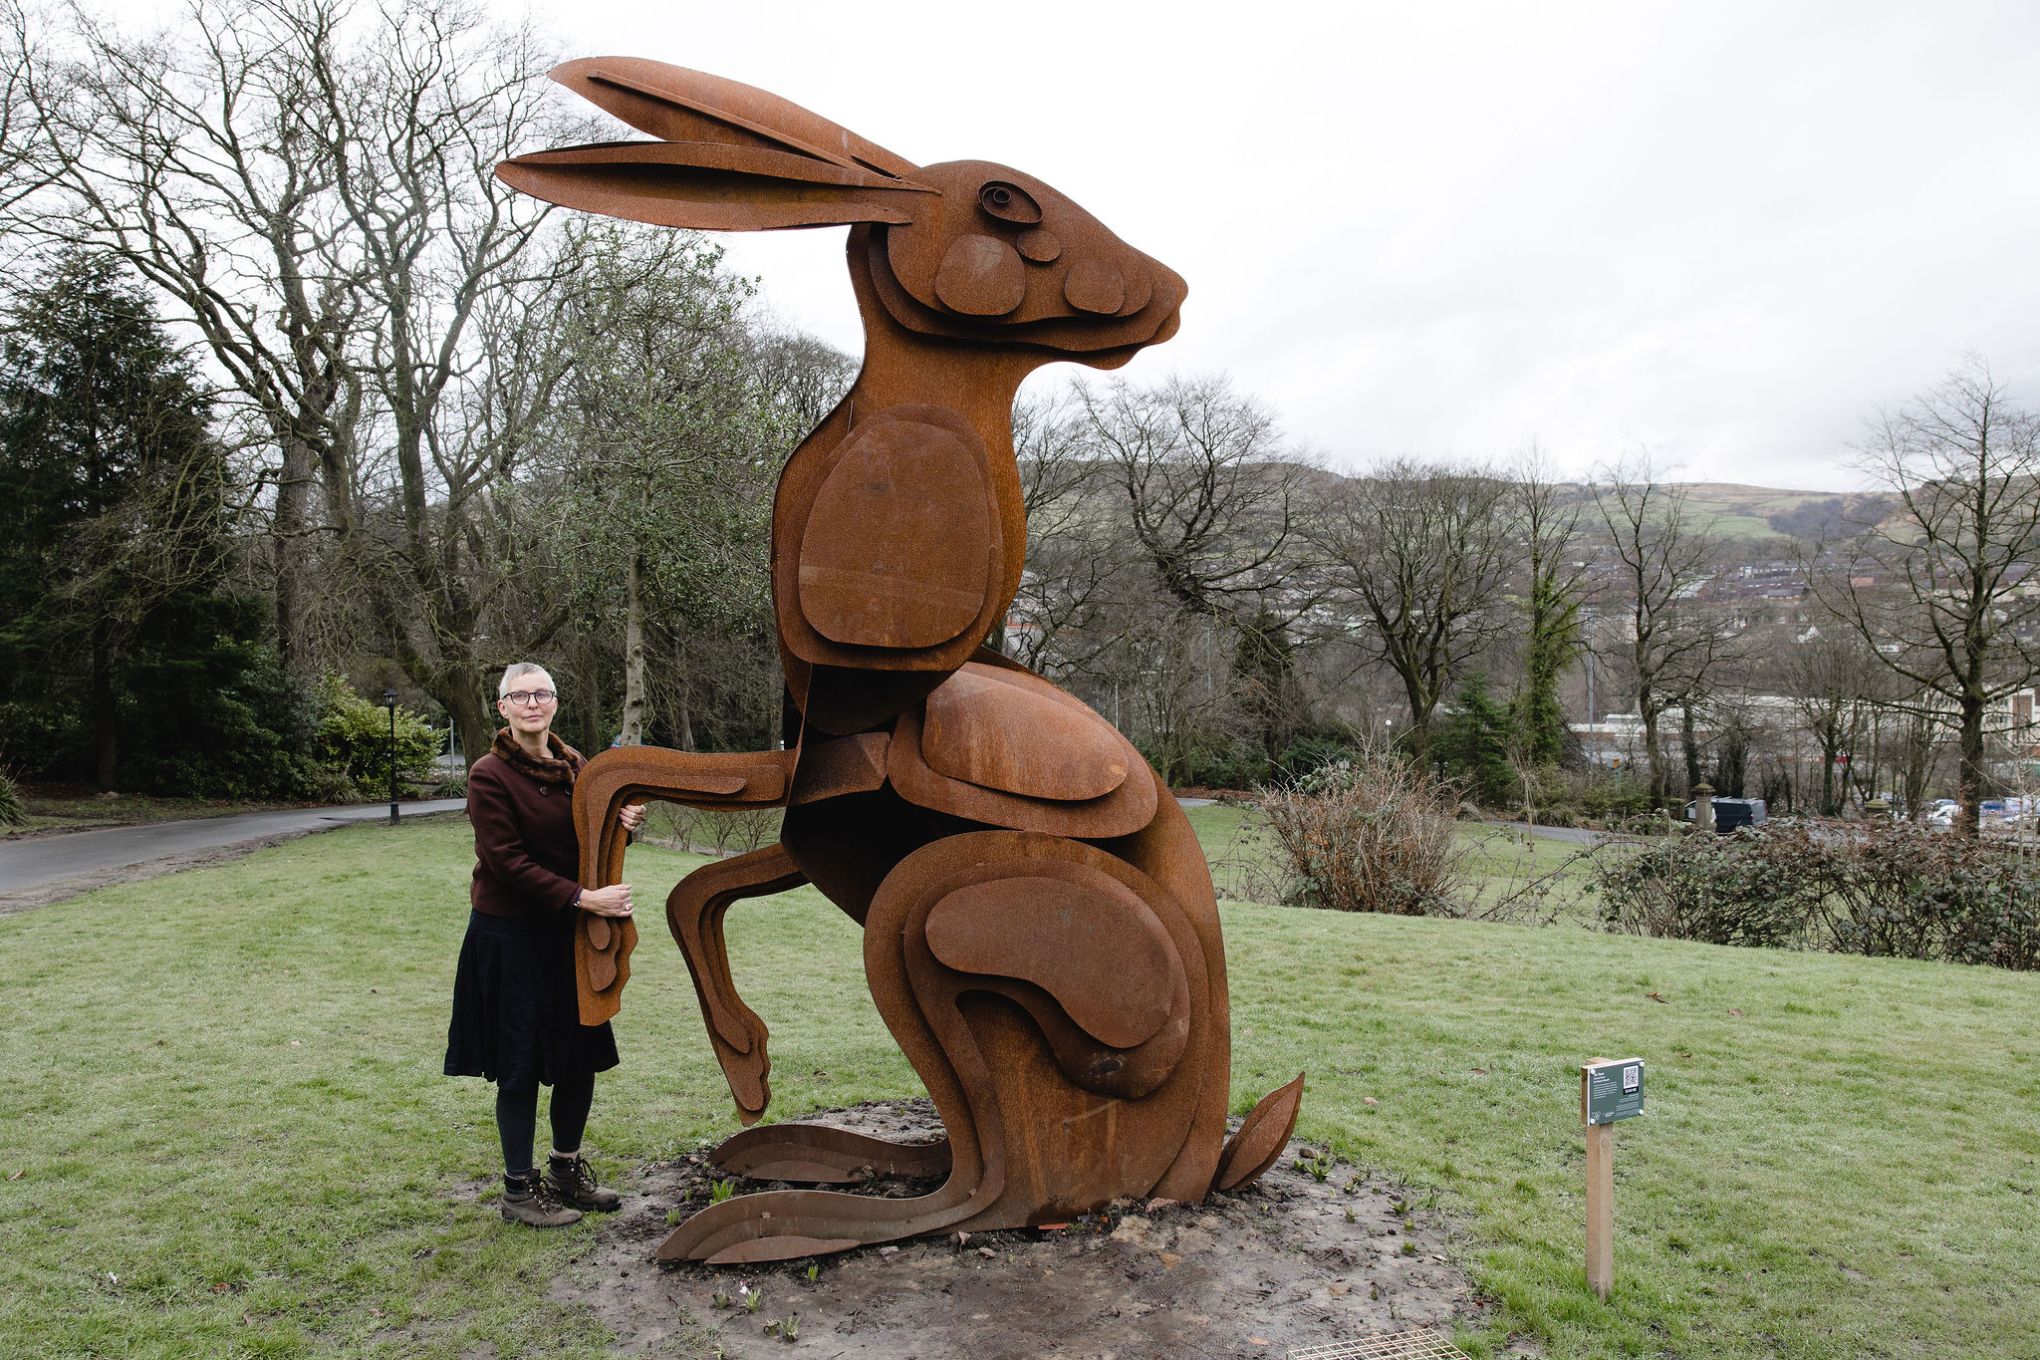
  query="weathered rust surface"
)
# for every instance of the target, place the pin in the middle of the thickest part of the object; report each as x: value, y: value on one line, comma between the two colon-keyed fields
x: 977, y: 483
x: 894, y: 554
x: 1093, y: 946
x: 989, y: 728
x: 1040, y: 933
x: 1262, y: 1136
x: 694, y: 912
x: 983, y: 715
x: 816, y: 1153
x: 602, y: 948
x: 832, y: 768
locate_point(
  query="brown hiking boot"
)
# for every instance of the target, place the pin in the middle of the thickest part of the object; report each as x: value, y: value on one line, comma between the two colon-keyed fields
x: 537, y: 1205
x: 574, y: 1182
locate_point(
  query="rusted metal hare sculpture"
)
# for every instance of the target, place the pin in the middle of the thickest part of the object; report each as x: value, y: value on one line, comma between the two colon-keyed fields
x: 1040, y: 931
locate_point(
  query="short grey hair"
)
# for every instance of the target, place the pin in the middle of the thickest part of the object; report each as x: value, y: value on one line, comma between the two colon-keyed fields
x: 515, y: 669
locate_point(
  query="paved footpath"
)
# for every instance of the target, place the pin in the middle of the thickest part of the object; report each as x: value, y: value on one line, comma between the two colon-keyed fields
x: 1575, y: 834
x: 42, y: 866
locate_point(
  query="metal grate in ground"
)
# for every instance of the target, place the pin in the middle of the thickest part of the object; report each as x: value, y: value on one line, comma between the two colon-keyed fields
x: 1419, y: 1343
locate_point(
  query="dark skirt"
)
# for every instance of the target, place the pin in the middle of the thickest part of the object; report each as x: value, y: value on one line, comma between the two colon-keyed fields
x: 516, y: 1014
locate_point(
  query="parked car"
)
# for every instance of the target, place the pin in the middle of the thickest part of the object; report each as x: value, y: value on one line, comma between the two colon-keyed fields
x: 1730, y: 813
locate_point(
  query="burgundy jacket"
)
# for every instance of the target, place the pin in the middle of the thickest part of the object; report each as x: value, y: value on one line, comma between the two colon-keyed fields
x: 527, y: 858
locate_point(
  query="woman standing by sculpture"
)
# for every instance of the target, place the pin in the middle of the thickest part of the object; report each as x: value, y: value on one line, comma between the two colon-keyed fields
x: 515, y: 1016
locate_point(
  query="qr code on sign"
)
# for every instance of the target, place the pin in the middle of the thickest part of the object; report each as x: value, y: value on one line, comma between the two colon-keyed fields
x: 1632, y: 1078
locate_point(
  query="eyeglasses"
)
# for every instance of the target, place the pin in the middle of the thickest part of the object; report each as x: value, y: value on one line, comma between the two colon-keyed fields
x: 521, y: 697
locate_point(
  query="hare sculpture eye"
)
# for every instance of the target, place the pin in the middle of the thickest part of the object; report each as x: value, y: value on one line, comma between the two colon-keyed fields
x: 1009, y: 203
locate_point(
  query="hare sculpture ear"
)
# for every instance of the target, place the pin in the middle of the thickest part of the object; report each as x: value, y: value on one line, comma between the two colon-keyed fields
x: 675, y: 104
x: 735, y: 158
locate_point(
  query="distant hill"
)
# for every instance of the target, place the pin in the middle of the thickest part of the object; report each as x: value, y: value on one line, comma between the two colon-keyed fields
x: 1757, y: 515
x: 1758, y: 512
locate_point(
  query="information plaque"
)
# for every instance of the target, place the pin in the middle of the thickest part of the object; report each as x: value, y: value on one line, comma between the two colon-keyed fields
x: 1611, y: 1090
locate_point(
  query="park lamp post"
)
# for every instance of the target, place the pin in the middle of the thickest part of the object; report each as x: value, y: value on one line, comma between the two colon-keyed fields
x: 389, y: 697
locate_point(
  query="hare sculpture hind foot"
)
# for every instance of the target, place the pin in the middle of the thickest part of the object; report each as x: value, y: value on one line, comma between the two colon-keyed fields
x: 816, y: 1154
x: 1056, y: 1002
x: 787, y: 1225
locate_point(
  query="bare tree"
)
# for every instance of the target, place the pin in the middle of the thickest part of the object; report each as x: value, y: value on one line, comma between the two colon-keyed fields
x: 802, y: 377
x: 661, y: 457
x: 1920, y: 735
x: 1663, y: 557
x: 1545, y: 516
x: 22, y: 172
x: 1216, y: 512
x: 1215, y: 503
x: 1939, y: 588
x: 314, y: 190
x: 1831, y: 681
x: 1421, y: 550
x: 1076, y: 550
x: 204, y: 164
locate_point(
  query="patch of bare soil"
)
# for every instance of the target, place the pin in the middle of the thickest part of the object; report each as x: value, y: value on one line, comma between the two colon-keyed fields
x: 1316, y: 1251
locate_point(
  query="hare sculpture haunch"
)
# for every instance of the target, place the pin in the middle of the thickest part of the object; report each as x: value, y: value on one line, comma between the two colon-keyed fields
x: 1040, y: 932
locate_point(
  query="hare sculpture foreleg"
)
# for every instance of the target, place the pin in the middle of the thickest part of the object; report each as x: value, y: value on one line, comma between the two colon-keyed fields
x: 694, y: 911
x: 602, y: 947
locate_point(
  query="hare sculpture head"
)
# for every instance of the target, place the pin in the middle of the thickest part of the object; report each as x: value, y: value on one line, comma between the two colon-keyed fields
x: 967, y: 251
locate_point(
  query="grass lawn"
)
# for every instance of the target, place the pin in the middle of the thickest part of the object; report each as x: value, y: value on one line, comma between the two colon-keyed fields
x: 231, y: 1137
x: 1532, y: 878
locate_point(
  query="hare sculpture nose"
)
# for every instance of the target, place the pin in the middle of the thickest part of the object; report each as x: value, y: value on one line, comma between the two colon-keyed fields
x: 1095, y: 286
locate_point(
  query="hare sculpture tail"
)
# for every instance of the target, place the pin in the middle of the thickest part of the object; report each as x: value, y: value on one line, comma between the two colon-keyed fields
x: 1262, y: 1136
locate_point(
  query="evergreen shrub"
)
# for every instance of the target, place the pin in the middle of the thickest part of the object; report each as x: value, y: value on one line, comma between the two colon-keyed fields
x: 352, y: 744
x: 1895, y: 890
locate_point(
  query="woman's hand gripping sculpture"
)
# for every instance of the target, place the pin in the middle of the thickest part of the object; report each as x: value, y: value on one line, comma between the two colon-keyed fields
x: 614, y: 900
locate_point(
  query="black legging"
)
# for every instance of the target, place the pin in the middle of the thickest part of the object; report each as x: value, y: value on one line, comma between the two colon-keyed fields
x: 517, y: 1119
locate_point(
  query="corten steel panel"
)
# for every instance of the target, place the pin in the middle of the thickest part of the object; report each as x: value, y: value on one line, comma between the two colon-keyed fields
x: 1261, y: 1137
x: 1040, y: 932
x: 817, y: 1154
x: 993, y: 785
x: 894, y: 554
x: 694, y: 913
x: 979, y: 483
x: 602, y: 947
x: 986, y: 728
x: 832, y: 768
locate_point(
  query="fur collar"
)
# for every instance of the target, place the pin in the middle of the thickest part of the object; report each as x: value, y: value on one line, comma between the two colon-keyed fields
x: 558, y: 767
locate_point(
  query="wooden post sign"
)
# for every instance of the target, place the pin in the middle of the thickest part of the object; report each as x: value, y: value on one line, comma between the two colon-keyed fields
x: 1610, y: 1089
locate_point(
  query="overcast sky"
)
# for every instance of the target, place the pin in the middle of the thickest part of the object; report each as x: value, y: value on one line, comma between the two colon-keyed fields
x: 1726, y: 232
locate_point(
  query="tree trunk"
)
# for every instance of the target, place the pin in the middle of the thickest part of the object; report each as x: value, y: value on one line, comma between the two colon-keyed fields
x: 1689, y: 746
x: 1418, y: 742
x: 588, y: 701
x: 1660, y: 791
x: 105, y: 710
x: 471, y: 714
x: 633, y: 653
x: 1827, y: 774
x: 1917, y: 754
x: 293, y: 499
x: 1972, y: 777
